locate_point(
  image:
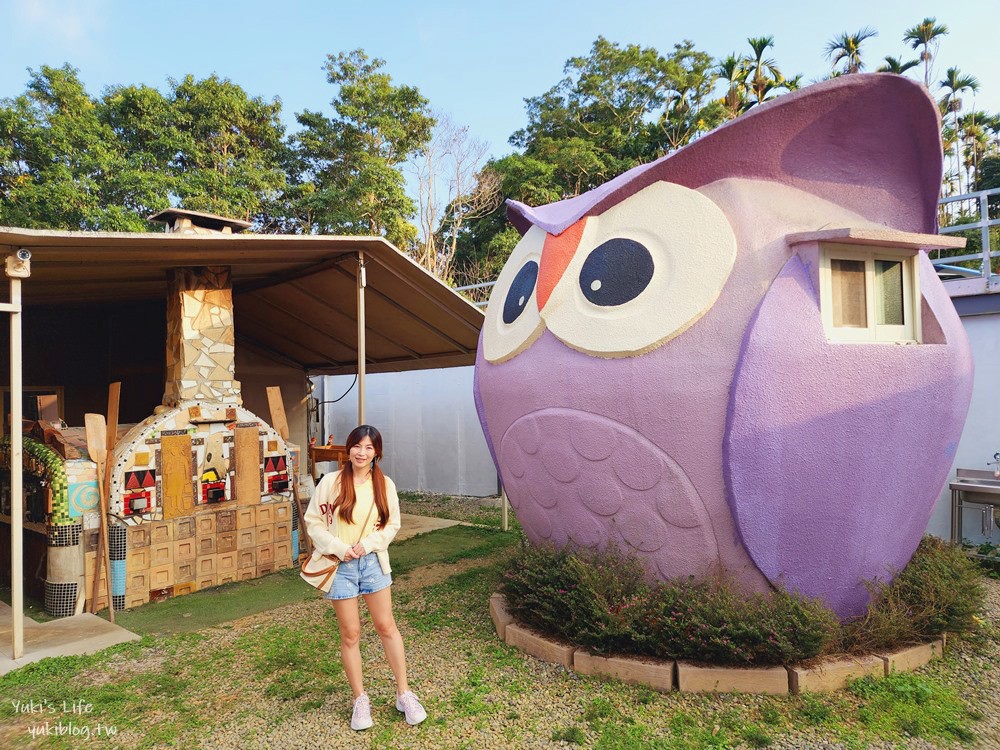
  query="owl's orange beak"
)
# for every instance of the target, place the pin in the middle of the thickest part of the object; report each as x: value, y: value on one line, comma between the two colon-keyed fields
x: 557, y: 252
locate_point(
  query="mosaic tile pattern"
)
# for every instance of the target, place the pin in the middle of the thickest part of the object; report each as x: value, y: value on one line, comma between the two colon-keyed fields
x: 212, y: 420
x: 117, y: 579
x: 65, y: 536
x: 200, y: 353
x: 60, y: 599
x: 83, y: 495
x: 41, y: 461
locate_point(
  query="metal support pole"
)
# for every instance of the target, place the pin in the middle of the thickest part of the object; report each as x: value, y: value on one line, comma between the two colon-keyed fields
x: 362, y: 281
x: 16, y: 477
x: 984, y: 218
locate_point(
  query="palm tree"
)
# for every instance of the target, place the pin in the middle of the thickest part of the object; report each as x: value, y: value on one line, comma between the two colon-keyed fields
x: 762, y: 74
x: 992, y: 124
x: 847, y: 47
x: 977, y: 142
x: 949, y: 142
x: 792, y: 84
x: 893, y: 65
x: 925, y: 35
x: 955, y: 83
x: 733, y: 70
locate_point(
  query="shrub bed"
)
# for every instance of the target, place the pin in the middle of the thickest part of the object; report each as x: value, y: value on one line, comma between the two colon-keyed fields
x: 940, y: 590
x: 603, y: 602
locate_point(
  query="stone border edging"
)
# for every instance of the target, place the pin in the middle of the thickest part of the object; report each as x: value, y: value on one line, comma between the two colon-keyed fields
x: 829, y: 674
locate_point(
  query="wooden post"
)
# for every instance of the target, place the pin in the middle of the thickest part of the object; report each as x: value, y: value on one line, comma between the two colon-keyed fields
x: 16, y: 476
x: 504, y: 522
x: 361, y: 337
x: 280, y: 422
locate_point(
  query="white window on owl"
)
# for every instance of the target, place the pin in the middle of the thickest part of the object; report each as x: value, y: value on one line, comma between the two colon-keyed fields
x: 866, y: 294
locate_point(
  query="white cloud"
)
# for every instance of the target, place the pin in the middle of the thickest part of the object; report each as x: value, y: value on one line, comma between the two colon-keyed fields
x: 70, y: 24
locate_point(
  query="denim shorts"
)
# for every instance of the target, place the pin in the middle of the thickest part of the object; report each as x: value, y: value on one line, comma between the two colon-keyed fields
x: 362, y: 575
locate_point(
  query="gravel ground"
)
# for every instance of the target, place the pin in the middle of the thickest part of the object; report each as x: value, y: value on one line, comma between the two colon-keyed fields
x: 480, y: 694
x: 481, y: 510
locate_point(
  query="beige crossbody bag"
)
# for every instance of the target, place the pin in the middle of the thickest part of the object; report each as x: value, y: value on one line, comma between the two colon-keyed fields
x: 318, y: 571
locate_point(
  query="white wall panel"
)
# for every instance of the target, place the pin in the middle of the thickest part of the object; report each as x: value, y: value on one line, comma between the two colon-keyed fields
x: 981, y: 437
x: 431, y: 434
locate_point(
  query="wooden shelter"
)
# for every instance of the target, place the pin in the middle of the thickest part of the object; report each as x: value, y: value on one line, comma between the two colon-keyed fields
x: 94, y: 309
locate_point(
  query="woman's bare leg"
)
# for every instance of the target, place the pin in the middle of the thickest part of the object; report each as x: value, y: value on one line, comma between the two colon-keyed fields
x: 349, y: 623
x: 380, y: 606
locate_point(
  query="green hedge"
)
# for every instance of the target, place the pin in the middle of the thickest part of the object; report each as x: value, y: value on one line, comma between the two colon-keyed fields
x: 605, y: 603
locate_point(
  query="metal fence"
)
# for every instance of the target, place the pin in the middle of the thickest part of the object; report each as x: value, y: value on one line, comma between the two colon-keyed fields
x: 969, y: 213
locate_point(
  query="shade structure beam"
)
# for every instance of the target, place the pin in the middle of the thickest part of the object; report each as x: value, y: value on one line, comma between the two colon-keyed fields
x: 16, y: 269
x: 362, y: 282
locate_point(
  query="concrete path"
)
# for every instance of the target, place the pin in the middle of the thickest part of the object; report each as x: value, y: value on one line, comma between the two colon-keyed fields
x: 64, y: 636
x: 411, y: 526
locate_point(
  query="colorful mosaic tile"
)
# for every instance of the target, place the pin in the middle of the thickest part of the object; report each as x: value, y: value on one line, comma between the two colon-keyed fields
x: 42, y: 461
x: 83, y: 497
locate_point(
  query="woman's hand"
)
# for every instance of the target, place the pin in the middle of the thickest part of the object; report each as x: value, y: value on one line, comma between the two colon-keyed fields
x: 359, y: 550
x: 350, y: 555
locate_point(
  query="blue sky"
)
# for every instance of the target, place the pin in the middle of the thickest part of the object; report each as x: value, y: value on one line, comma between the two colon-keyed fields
x: 474, y: 61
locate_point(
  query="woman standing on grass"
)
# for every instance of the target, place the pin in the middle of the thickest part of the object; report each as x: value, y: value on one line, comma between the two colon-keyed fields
x: 354, y: 514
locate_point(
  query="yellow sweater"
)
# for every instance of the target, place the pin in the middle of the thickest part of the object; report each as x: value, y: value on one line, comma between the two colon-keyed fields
x: 351, y: 533
x: 326, y: 538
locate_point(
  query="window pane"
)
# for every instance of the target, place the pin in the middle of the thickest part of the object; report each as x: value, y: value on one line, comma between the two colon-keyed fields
x: 849, y: 303
x: 889, y: 292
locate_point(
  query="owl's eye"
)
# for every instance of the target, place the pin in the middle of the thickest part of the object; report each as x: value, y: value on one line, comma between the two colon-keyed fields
x: 520, y: 292
x: 644, y: 271
x: 512, y: 321
x: 616, y: 272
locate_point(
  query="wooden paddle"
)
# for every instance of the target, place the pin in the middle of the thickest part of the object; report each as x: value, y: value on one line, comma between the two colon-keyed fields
x: 114, y: 396
x: 280, y: 422
x: 97, y: 447
x: 100, y: 445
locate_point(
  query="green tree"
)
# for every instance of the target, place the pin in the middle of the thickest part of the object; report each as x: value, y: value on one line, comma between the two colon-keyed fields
x: 847, y: 48
x: 895, y: 65
x: 616, y: 107
x: 347, y: 177
x: 228, y: 157
x: 142, y: 121
x: 926, y: 34
x: 763, y: 75
x: 60, y: 166
x: 733, y: 70
x: 954, y: 84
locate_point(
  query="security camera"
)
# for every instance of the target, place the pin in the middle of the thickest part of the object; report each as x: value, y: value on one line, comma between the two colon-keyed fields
x: 19, y: 264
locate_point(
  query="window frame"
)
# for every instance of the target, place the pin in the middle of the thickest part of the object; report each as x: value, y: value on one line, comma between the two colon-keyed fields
x: 909, y: 332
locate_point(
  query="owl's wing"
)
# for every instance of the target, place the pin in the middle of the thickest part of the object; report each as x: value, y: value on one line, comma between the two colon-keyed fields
x: 835, y: 453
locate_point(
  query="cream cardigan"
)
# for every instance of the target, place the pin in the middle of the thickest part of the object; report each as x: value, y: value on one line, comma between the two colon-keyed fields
x: 324, y: 537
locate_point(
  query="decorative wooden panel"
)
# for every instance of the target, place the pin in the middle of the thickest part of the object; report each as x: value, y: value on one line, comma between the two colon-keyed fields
x: 178, y: 467
x: 247, y: 464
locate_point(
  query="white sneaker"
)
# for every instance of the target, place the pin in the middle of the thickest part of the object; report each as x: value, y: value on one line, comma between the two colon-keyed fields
x: 411, y: 708
x: 362, y: 716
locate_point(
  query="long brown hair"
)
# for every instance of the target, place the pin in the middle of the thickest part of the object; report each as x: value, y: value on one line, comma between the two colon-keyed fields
x: 347, y: 497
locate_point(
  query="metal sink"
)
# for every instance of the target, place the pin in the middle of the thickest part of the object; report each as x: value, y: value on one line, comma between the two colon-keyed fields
x: 967, y: 493
x: 976, y: 480
x: 990, y: 486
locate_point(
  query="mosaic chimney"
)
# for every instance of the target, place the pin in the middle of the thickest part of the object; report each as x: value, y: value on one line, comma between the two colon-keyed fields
x: 200, y: 351
x: 200, y: 337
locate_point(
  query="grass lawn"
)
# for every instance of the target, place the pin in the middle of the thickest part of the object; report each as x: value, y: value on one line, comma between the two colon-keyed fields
x: 273, y: 679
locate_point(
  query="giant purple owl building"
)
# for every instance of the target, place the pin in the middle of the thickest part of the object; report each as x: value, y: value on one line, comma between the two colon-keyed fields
x: 739, y: 355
